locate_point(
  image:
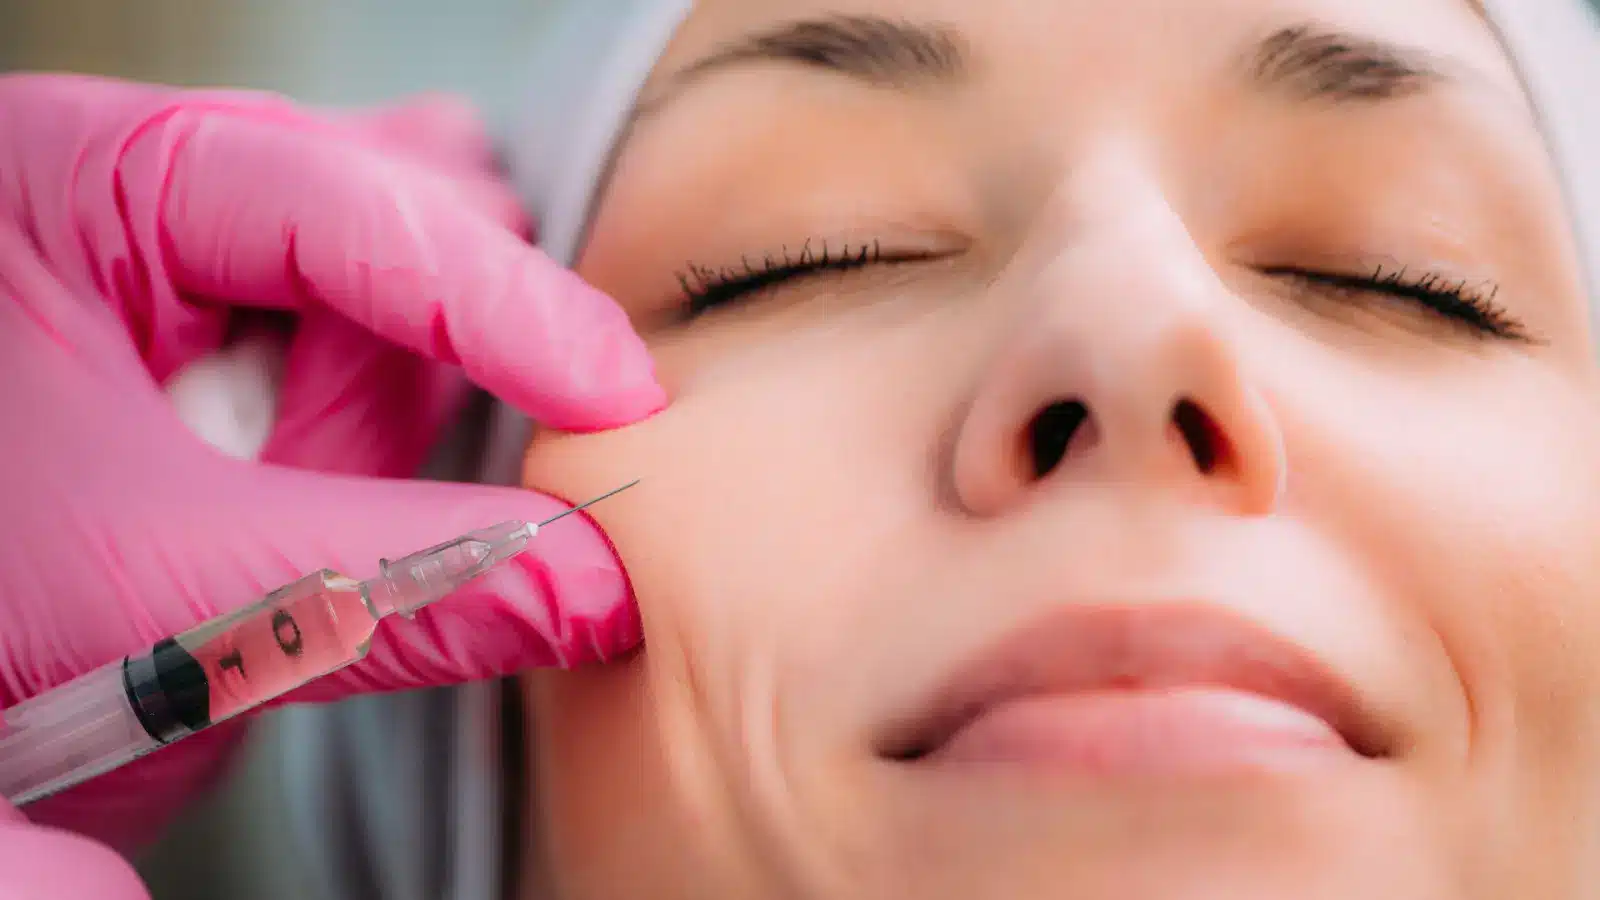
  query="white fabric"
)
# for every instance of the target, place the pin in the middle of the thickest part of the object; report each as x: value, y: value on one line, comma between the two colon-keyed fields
x: 1556, y: 46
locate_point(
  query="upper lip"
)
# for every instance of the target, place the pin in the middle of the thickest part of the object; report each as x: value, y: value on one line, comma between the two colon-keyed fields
x: 1136, y: 647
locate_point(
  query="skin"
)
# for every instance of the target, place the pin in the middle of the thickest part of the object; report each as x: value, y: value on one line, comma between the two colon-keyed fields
x: 835, y: 511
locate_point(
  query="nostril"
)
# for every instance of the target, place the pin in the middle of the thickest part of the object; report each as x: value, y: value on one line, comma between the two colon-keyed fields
x: 1204, y: 439
x: 1051, y: 432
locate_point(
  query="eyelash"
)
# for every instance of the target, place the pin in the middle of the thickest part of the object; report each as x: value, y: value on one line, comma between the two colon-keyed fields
x: 1458, y: 302
x: 706, y: 289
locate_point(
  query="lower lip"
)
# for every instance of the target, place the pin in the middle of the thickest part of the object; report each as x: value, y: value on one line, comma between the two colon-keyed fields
x: 1170, y: 732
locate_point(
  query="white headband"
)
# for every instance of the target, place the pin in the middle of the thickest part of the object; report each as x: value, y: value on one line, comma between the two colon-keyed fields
x: 1556, y: 47
x: 586, y: 75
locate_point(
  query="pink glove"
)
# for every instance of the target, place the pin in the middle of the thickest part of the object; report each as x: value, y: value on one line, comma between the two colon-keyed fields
x: 133, y: 222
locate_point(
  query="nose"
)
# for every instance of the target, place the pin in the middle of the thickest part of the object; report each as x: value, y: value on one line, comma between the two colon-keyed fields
x: 1118, y: 368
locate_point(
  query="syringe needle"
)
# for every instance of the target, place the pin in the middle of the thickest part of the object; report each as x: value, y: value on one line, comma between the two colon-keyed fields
x: 587, y: 504
x: 430, y: 575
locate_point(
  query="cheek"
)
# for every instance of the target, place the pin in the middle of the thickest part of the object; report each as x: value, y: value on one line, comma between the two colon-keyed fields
x: 763, y: 467
x: 1475, y: 502
x: 774, y: 454
x: 728, y: 506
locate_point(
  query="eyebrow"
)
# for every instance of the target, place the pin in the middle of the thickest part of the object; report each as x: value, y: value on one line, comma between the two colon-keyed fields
x: 871, y: 49
x: 1313, y: 63
x: 867, y: 47
x: 1308, y: 62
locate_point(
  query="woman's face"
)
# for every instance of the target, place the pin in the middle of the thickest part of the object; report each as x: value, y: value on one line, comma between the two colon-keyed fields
x: 1118, y: 450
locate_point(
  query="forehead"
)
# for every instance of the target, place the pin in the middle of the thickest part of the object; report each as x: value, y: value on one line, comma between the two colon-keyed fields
x: 1037, y: 39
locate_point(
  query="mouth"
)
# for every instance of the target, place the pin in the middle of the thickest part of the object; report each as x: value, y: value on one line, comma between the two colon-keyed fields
x: 1164, y: 690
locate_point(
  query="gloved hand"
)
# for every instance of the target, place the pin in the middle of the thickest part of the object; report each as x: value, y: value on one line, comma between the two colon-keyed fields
x: 134, y: 223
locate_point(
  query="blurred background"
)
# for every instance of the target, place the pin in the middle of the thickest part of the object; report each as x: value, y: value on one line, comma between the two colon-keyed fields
x: 339, y: 52
x: 334, y: 52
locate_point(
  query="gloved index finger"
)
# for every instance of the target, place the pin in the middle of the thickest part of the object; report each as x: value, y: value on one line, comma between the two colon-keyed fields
x: 261, y: 212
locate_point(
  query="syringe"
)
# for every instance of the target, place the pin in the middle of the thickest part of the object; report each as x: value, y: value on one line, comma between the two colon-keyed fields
x: 229, y: 665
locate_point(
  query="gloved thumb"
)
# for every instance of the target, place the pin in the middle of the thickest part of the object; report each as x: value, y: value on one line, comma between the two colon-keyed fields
x: 564, y: 602
x: 38, y: 863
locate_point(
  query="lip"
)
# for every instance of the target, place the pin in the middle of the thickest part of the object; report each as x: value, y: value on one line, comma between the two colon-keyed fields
x: 1140, y: 689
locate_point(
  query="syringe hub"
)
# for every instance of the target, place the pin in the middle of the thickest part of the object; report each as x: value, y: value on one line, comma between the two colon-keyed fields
x: 411, y: 582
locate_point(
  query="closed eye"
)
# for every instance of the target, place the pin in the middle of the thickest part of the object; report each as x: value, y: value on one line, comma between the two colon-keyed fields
x: 1461, y: 303
x: 705, y: 288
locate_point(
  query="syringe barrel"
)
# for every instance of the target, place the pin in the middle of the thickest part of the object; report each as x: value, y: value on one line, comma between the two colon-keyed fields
x: 73, y: 733
x: 184, y: 684
x: 232, y: 664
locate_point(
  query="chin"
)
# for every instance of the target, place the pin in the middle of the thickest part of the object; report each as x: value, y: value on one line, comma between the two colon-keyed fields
x: 1354, y: 831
